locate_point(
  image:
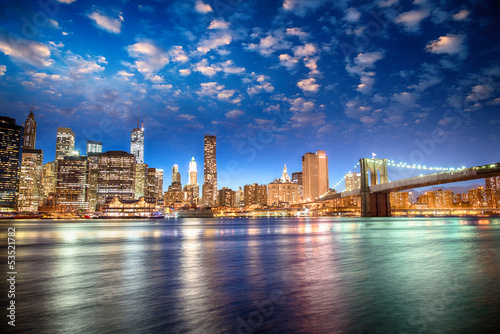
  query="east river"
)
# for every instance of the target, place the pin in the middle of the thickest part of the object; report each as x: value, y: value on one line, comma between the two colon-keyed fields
x: 276, y: 275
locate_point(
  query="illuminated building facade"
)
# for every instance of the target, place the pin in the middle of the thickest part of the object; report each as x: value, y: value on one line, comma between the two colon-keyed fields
x: 141, y: 179
x: 65, y: 143
x: 49, y: 171
x: 71, y: 186
x: 94, y: 147
x: 30, y: 183
x: 297, y: 178
x: 226, y: 197
x: 92, y: 176
x: 400, y: 200
x: 29, y: 138
x: 315, y: 175
x: 255, y: 194
x: 352, y: 181
x: 210, y: 171
x: 283, y: 192
x: 116, y: 176
x: 192, y: 188
x: 11, y: 136
x: 176, y: 176
x: 137, y: 143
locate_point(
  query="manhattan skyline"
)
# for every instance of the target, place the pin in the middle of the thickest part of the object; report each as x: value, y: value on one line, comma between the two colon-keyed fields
x: 271, y: 80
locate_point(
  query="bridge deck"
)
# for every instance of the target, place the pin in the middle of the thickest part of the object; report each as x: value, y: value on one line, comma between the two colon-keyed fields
x: 467, y: 174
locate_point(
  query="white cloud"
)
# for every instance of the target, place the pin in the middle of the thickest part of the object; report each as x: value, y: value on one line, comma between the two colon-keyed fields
x: 186, y: 117
x: 288, y: 61
x: 229, y: 68
x: 304, y: 115
x: 66, y: 1
x: 449, y: 44
x: 204, y: 68
x: 177, y: 54
x: 79, y: 66
x: 149, y: 58
x: 302, y: 7
x: 107, y: 23
x: 461, y: 15
x: 162, y: 87
x: 308, y: 85
x: 262, y: 84
x: 202, y: 7
x: 125, y: 75
x: 411, y: 20
x: 216, y: 90
x: 405, y: 98
x: 271, y: 43
x: 297, y: 32
x: 31, y: 52
x: 233, y: 114
x: 368, y: 59
x: 214, y: 41
x: 481, y: 92
x: 3, y: 68
x: 305, y: 50
x: 218, y: 24
x: 185, y: 72
x: 352, y: 15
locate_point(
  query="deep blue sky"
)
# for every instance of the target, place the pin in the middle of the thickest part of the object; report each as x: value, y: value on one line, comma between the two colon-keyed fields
x: 414, y: 81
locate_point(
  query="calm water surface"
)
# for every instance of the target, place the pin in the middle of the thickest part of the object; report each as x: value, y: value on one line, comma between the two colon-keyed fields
x: 277, y: 275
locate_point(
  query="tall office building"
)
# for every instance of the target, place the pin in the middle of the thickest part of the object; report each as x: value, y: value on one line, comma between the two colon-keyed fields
x: 11, y: 136
x: 94, y: 147
x: 30, y: 132
x: 154, y: 183
x: 30, y: 181
x: 192, y: 188
x: 210, y: 171
x: 176, y: 176
x: 137, y: 142
x: 193, y: 172
x: 116, y: 176
x: 141, y: 177
x: 297, y: 178
x: 352, y: 181
x: 65, y: 143
x: 92, y: 175
x: 315, y: 175
x: 71, y: 187
x: 49, y: 179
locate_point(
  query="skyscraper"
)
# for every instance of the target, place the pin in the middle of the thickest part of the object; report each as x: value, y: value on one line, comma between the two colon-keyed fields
x: 193, y: 172
x: 65, y: 143
x: 137, y: 142
x: 71, y: 188
x: 30, y: 131
x: 30, y: 183
x: 176, y: 176
x: 192, y: 187
x: 94, y: 147
x: 210, y: 171
x: 10, y: 157
x: 116, y: 176
x: 315, y: 174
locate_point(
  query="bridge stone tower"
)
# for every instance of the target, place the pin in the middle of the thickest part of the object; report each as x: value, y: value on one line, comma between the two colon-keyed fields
x: 374, y: 204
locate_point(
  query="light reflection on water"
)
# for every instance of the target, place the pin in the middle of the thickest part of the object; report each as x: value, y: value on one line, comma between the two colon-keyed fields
x: 278, y: 275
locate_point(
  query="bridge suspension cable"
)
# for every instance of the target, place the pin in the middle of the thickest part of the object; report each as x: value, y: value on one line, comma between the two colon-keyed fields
x: 415, y: 166
x: 343, y: 178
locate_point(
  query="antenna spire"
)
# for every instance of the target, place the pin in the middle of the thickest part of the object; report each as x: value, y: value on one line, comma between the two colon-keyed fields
x: 138, y: 123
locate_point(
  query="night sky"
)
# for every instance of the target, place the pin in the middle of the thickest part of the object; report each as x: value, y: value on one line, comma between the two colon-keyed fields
x: 412, y: 81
